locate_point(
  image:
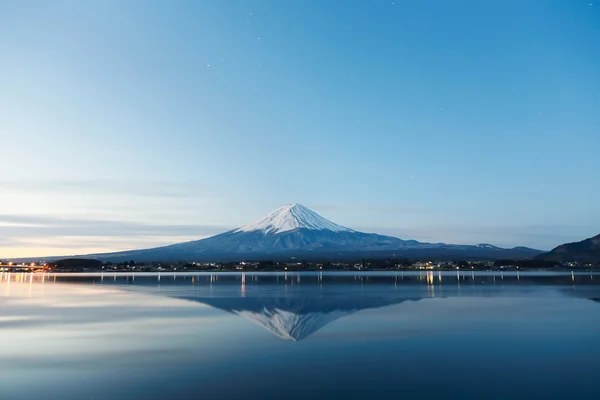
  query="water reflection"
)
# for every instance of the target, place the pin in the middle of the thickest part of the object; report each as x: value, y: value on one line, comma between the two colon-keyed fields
x: 293, y: 306
x: 116, y: 336
x: 294, y: 318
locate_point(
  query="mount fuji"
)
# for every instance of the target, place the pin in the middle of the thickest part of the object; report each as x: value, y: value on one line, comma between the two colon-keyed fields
x: 296, y: 231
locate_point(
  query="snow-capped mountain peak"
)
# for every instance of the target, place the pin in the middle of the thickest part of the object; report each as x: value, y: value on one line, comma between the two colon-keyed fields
x: 290, y: 217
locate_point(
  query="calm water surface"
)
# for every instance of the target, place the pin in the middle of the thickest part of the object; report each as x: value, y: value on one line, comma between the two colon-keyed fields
x: 308, y: 335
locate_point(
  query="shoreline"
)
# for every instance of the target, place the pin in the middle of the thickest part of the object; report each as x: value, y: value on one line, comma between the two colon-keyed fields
x: 316, y: 272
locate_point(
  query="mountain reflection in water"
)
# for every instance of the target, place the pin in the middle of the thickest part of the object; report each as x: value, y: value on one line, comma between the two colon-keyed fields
x: 294, y: 306
x: 161, y: 336
x: 295, y: 318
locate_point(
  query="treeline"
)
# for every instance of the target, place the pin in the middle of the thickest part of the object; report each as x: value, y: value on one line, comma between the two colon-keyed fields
x: 82, y: 264
x: 303, y: 265
x: 388, y: 264
x: 75, y: 264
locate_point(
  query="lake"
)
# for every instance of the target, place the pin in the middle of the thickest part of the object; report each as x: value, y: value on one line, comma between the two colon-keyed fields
x: 461, y: 334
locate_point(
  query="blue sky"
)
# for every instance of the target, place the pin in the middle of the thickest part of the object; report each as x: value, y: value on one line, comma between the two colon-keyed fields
x: 139, y: 123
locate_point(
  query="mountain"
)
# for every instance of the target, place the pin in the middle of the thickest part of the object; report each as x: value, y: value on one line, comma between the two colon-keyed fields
x: 296, y: 231
x: 587, y: 250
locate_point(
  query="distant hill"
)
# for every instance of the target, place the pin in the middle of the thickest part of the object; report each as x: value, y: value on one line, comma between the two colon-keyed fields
x: 587, y: 250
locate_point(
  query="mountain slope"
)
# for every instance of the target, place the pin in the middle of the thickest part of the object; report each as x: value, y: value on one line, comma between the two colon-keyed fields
x: 587, y: 250
x: 296, y: 231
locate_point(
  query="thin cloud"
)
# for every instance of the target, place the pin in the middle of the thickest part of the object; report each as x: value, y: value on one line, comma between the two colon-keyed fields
x: 147, y: 188
x: 34, y: 226
x: 56, y: 246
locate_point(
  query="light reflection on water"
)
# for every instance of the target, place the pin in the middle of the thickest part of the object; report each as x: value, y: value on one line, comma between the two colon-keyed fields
x: 324, y: 334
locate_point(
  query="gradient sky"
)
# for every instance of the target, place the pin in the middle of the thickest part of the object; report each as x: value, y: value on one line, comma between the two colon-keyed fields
x: 129, y: 124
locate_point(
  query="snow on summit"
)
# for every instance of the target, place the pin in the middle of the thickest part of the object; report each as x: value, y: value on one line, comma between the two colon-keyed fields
x: 290, y: 217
